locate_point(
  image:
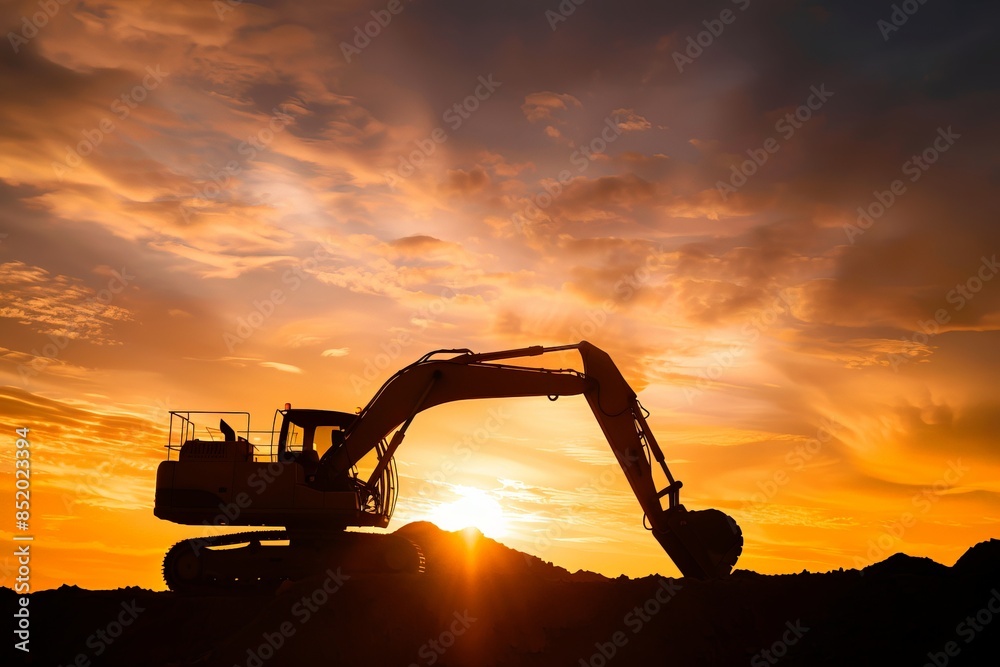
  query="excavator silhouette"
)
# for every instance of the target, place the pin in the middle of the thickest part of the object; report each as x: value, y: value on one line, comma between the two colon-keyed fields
x: 310, y: 483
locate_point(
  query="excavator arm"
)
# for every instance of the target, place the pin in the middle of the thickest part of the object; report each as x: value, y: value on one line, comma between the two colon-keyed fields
x: 703, y: 544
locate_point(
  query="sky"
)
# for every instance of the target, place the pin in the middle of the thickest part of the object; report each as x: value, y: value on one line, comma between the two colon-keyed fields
x: 778, y: 218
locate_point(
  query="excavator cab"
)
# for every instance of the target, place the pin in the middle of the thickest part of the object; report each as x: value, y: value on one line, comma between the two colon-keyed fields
x: 221, y: 478
x: 306, y: 435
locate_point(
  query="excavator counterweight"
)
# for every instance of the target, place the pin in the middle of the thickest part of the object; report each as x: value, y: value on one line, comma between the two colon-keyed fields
x: 310, y: 484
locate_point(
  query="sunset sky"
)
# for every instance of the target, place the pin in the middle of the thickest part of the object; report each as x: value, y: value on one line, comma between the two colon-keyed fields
x: 227, y: 206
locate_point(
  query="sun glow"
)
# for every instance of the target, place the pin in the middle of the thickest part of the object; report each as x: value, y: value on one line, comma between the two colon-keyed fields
x: 476, y: 508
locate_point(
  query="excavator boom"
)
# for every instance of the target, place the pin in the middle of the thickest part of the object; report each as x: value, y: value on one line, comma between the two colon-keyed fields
x: 703, y: 544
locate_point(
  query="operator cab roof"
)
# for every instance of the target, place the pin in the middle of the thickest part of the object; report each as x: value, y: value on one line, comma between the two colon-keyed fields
x: 305, y: 418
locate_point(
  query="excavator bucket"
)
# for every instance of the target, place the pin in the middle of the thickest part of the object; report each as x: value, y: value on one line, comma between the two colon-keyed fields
x: 704, y: 544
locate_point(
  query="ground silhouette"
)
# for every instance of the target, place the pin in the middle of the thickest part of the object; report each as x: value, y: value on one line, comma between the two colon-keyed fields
x: 481, y: 603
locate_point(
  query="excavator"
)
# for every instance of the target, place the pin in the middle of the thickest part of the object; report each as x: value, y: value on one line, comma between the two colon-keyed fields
x: 310, y: 485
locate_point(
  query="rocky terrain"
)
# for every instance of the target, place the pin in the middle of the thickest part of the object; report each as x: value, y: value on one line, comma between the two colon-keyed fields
x: 481, y: 603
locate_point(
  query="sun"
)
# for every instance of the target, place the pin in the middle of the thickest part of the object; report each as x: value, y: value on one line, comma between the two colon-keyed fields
x: 476, y: 508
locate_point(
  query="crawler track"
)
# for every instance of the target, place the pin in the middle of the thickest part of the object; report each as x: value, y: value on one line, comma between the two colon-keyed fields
x: 245, y: 562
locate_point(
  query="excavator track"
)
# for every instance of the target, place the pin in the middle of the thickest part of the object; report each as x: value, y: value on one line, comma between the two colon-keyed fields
x: 245, y: 562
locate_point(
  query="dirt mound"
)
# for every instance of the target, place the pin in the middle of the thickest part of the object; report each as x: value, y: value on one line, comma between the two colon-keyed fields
x: 979, y: 560
x: 481, y: 603
x: 470, y: 551
x: 901, y: 564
